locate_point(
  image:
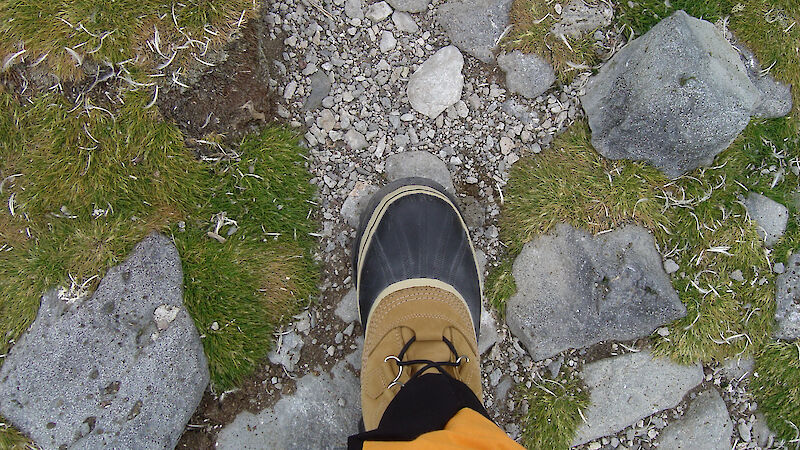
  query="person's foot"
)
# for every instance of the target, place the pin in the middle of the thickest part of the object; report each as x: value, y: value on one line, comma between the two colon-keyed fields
x: 419, y: 292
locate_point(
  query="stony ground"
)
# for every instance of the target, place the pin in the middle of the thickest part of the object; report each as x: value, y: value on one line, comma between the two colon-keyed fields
x: 343, y: 72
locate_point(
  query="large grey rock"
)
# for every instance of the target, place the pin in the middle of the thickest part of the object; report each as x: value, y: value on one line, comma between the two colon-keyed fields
x: 437, y: 83
x: 574, y: 290
x: 675, y: 97
x: 353, y: 9
x: 489, y: 335
x: 526, y: 74
x: 706, y: 425
x: 770, y: 217
x: 627, y: 388
x: 347, y: 310
x: 412, y: 6
x: 475, y: 26
x: 123, y: 368
x: 579, y: 18
x: 322, y: 412
x: 419, y: 164
x: 787, y: 299
x: 320, y: 87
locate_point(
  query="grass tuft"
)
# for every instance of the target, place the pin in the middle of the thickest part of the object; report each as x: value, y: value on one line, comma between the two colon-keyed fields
x: 500, y: 285
x: 532, y: 22
x: 777, y: 388
x: 67, y: 33
x: 553, y: 413
x: 12, y: 439
x: 91, y: 186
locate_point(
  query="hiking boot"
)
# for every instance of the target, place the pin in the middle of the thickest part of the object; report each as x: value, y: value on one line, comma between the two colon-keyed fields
x: 419, y: 292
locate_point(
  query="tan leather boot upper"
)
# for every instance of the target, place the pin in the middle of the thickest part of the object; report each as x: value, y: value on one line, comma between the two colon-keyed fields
x: 428, y: 314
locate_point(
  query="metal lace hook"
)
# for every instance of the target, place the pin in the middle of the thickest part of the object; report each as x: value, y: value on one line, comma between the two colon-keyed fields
x: 397, y: 378
x: 464, y: 357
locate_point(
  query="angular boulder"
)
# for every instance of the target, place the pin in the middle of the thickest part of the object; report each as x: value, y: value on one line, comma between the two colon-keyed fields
x: 705, y: 425
x: 674, y: 97
x: 475, y: 26
x: 627, y: 388
x: 437, y: 83
x: 412, y: 6
x: 574, y: 290
x: 123, y: 368
x: 787, y: 300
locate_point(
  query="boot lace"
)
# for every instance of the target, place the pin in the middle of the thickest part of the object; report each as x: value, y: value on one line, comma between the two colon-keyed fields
x: 428, y: 364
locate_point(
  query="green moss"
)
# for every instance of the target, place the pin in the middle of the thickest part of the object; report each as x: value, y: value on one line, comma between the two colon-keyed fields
x: 114, y: 31
x: 554, y: 411
x: 531, y: 22
x: 500, y: 285
x: 11, y: 439
x: 777, y: 387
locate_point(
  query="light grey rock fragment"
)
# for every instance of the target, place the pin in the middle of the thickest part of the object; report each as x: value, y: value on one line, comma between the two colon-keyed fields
x: 475, y: 26
x: 378, y: 11
x: 763, y: 436
x: 526, y: 74
x: 356, y: 201
x: 287, y: 353
x: 770, y: 217
x: 320, y: 87
x: 675, y: 97
x: 347, y: 310
x: 419, y: 164
x: 787, y: 300
x: 627, y: 388
x: 737, y: 275
x: 388, y: 42
x: 437, y: 83
x: 579, y: 18
x: 412, y: 6
x: 353, y: 9
x: 404, y: 22
x: 488, y: 336
x: 355, y: 140
x: 574, y: 290
x: 706, y: 425
x: 322, y: 412
x: 671, y: 266
x: 123, y: 368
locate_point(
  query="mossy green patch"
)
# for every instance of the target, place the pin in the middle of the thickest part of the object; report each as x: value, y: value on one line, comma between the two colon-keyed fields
x: 64, y: 33
x: 532, y: 22
x: 554, y: 411
x: 12, y: 439
x: 777, y: 388
x: 84, y: 186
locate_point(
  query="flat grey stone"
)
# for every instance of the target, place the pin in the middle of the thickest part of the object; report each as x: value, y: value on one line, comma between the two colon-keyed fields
x: 488, y: 336
x: 287, y: 351
x: 627, y: 388
x: 100, y: 372
x: 787, y: 300
x: 770, y: 217
x: 706, y: 425
x: 322, y: 412
x: 437, y: 83
x: 404, y: 22
x: 475, y: 26
x: 412, y: 6
x: 355, y: 140
x: 320, y: 88
x: 347, y: 310
x: 353, y: 9
x: 674, y: 97
x: 579, y: 18
x: 356, y: 202
x: 526, y: 74
x: 419, y: 164
x: 574, y: 290
x: 378, y: 11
